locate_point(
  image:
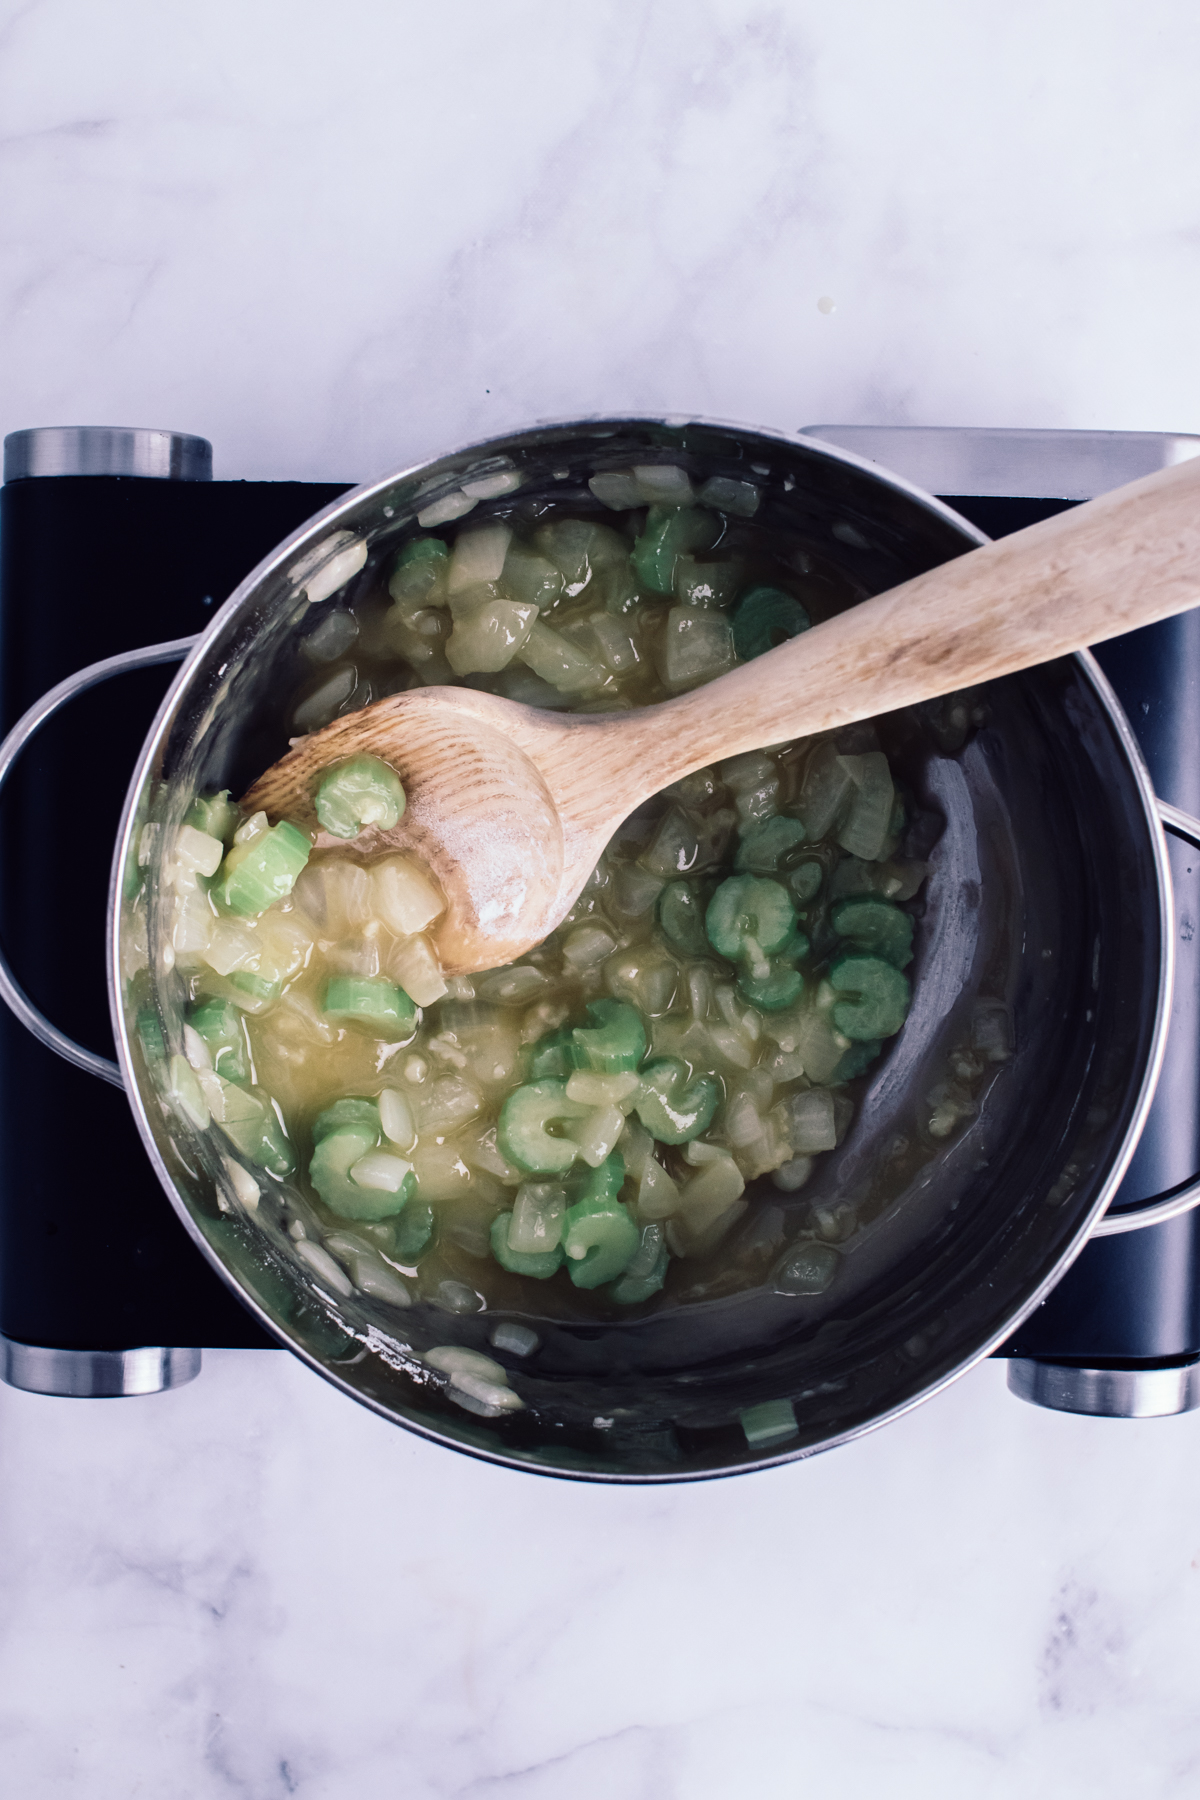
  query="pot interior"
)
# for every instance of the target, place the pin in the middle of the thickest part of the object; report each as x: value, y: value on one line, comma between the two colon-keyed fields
x: 1039, y: 969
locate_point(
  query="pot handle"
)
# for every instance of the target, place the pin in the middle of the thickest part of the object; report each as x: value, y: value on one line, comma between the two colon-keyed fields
x: 1182, y: 825
x: 11, y: 991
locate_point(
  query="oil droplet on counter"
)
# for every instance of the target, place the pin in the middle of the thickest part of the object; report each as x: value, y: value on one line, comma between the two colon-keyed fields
x: 826, y: 304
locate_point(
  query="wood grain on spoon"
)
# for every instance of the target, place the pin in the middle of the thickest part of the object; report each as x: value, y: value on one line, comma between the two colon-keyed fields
x: 511, y: 807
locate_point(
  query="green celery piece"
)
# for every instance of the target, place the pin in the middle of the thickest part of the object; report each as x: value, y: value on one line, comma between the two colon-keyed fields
x: 857, y: 1060
x: 214, y: 814
x: 615, y: 1040
x: 771, y: 993
x: 522, y: 1134
x: 150, y: 1034
x: 770, y: 1422
x: 362, y: 791
x: 875, y: 927
x: 749, y: 906
x: 646, y: 1270
x: 600, y: 1238
x: 368, y: 1000
x: 671, y: 532
x: 219, y: 1023
x: 762, y: 846
x: 412, y: 1231
x: 423, y: 549
x: 673, y: 1110
x: 541, y: 1264
x: 552, y: 1057
x: 681, y: 915
x: 878, y: 998
x: 805, y: 881
x: 329, y: 1172
x: 362, y: 1115
x: 252, y: 1125
x: 254, y: 875
x: 765, y: 617
x: 255, y: 985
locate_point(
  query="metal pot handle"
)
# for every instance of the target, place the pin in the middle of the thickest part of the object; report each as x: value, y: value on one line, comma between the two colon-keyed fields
x: 11, y: 992
x: 1183, y: 825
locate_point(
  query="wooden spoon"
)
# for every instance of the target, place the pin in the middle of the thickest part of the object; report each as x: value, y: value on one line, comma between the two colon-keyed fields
x: 511, y: 807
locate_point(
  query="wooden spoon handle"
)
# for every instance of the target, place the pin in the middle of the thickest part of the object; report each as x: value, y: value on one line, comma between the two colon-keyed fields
x: 1124, y: 560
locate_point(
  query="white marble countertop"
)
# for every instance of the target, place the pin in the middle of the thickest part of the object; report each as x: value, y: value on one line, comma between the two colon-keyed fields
x: 333, y: 240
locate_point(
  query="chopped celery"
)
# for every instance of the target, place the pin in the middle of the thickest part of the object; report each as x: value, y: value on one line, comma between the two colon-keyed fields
x: 330, y: 1169
x: 681, y: 915
x: 411, y: 1232
x: 370, y: 1001
x: 523, y: 1133
x: 551, y: 1057
x: 857, y: 1059
x: 672, y: 1109
x: 259, y: 987
x: 763, y: 844
x: 421, y: 550
x: 748, y: 918
x: 769, y: 1422
x: 879, y: 998
x: 363, y: 1115
x: 541, y: 1264
x: 646, y: 1269
x: 671, y: 532
x: 261, y: 870
x: 804, y: 882
x: 875, y: 927
x: 214, y: 814
x: 615, y: 1039
x: 252, y: 1125
x: 599, y: 1236
x: 362, y: 791
x: 770, y: 993
x: 765, y: 617
x: 150, y: 1035
x: 220, y: 1025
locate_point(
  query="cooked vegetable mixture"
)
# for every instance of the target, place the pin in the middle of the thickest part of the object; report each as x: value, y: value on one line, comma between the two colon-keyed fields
x: 590, y: 1116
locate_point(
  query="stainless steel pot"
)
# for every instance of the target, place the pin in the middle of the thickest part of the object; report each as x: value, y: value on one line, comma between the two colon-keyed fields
x: 1050, y: 892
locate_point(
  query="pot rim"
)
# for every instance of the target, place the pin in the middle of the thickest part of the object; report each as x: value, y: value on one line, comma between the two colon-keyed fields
x: 310, y: 532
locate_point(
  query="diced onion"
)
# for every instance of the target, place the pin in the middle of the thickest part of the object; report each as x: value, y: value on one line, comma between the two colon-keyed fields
x: 324, y: 1267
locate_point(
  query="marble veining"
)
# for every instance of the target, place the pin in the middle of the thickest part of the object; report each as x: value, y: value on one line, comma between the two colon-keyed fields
x: 334, y: 240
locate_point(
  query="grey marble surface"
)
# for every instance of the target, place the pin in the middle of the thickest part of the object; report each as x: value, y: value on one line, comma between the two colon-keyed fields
x: 333, y: 240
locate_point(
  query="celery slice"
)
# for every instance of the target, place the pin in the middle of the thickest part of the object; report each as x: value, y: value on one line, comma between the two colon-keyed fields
x: 329, y: 1171
x: 362, y: 1115
x: 262, y: 870
x: 646, y: 1269
x: 150, y: 1035
x: 671, y: 532
x: 879, y: 998
x: 763, y: 844
x: 370, y: 1001
x: 766, y: 617
x: 614, y: 1041
x: 220, y: 1025
x: 672, y: 1109
x: 523, y: 1131
x: 362, y: 791
x: 599, y: 1236
x: 541, y: 1264
x: 748, y: 914
x: 771, y: 993
x: 875, y: 927
x: 551, y: 1058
